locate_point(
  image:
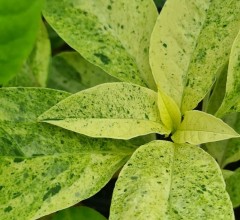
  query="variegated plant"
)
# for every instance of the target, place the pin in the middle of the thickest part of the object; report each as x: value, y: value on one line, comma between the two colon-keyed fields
x: 149, y: 72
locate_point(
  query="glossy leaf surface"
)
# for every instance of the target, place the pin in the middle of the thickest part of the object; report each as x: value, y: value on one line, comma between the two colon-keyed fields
x: 18, y: 28
x: 160, y: 181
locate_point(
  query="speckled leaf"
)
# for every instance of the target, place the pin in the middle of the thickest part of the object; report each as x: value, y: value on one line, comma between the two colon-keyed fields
x: 199, y: 127
x: 169, y: 111
x: 72, y: 73
x: 227, y: 151
x: 19, y: 24
x: 163, y: 180
x: 112, y: 34
x: 233, y: 187
x: 112, y: 110
x: 231, y: 101
x: 34, y: 72
x: 187, y: 53
x: 78, y: 213
x: 47, y: 168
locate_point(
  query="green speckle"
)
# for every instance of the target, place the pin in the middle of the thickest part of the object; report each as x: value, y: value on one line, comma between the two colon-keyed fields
x: 134, y: 177
x: 165, y: 45
x: 18, y: 160
x: 53, y: 191
x: 109, y: 7
x: 103, y: 58
x: 8, y: 209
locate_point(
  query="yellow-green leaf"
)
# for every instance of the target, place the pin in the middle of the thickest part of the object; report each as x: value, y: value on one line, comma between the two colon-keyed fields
x: 113, y: 35
x: 231, y: 101
x: 112, y: 110
x: 163, y: 180
x: 169, y: 111
x: 44, y: 167
x: 199, y: 127
x: 190, y: 44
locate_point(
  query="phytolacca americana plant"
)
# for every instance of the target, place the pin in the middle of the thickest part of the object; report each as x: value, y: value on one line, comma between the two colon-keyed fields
x: 189, y: 45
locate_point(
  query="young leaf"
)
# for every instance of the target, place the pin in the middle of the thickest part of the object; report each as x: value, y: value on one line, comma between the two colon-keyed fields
x: 199, y: 127
x: 231, y: 101
x: 113, y: 35
x: 18, y: 27
x: 232, y: 186
x: 112, y: 110
x: 160, y: 181
x: 169, y: 111
x: 34, y: 72
x: 44, y: 167
x: 78, y: 213
x: 70, y: 72
x: 187, y: 54
x: 227, y: 151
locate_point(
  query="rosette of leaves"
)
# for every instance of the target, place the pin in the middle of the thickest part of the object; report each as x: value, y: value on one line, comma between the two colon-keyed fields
x: 188, y: 46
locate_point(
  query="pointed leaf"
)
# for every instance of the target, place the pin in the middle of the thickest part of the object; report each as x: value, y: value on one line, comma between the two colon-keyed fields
x: 18, y: 27
x: 187, y: 54
x: 70, y: 72
x: 233, y: 187
x: 163, y: 180
x: 34, y: 72
x: 113, y: 35
x: 199, y: 127
x: 169, y: 111
x: 44, y: 167
x: 227, y: 151
x: 231, y: 101
x: 113, y: 110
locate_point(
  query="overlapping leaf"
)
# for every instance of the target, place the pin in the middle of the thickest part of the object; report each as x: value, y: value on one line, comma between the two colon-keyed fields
x: 227, y: 151
x: 113, y: 35
x: 190, y: 43
x: 199, y: 127
x: 231, y: 101
x: 70, y: 72
x: 18, y: 27
x: 163, y: 180
x: 34, y: 72
x: 113, y: 110
x: 44, y: 167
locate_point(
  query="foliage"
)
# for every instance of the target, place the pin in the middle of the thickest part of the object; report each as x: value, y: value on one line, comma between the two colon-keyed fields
x: 132, y: 74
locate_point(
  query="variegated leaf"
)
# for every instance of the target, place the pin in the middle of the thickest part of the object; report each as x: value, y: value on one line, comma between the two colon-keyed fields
x: 199, y: 127
x: 163, y: 180
x: 112, y: 110
x: 112, y: 34
x: 190, y: 44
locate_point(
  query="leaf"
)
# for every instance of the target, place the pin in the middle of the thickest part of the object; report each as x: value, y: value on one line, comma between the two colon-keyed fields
x: 34, y: 72
x: 18, y: 34
x: 187, y: 54
x: 112, y: 110
x: 169, y: 111
x: 231, y: 101
x: 227, y: 151
x: 163, y: 180
x: 44, y: 167
x: 78, y: 213
x: 113, y: 35
x: 232, y: 186
x: 72, y: 73
x: 199, y: 127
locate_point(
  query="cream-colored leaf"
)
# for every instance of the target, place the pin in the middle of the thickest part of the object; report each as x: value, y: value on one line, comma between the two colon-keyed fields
x: 190, y: 44
x: 169, y: 111
x: 111, y: 110
x: 163, y: 180
x: 199, y: 127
